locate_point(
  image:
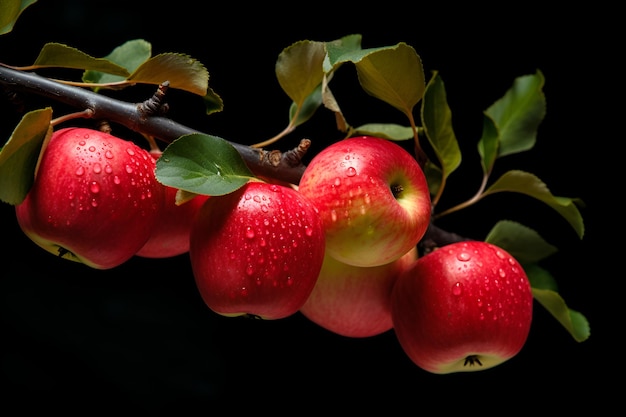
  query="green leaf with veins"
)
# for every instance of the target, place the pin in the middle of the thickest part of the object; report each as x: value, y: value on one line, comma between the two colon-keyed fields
x: 527, y: 183
x: 299, y: 70
x: 19, y: 156
x: 129, y: 55
x: 202, y: 164
x: 516, y: 118
x: 544, y: 291
x: 437, y: 123
x: 182, y: 71
x: 522, y: 242
x: 63, y: 56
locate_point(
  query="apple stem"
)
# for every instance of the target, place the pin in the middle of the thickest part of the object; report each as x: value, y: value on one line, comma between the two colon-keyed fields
x: 435, y: 237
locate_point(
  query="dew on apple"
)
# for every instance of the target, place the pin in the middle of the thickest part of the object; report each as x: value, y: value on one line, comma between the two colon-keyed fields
x: 94, y: 187
x: 457, y: 288
x: 464, y: 256
x: 351, y: 172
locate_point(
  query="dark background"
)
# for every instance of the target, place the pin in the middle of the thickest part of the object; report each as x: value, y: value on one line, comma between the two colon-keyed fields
x: 139, y: 339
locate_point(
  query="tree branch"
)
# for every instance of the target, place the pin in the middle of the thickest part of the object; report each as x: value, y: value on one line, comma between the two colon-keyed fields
x: 271, y: 164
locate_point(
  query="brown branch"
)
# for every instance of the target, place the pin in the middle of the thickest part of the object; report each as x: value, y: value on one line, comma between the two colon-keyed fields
x: 282, y: 166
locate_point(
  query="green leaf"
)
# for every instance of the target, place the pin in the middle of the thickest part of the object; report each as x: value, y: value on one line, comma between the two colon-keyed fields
x: 390, y: 131
x: 518, y: 114
x: 18, y: 157
x: 340, y: 51
x: 307, y: 108
x: 212, y: 102
x: 63, y: 56
x: 129, y: 55
x: 202, y: 164
x: 437, y: 124
x: 540, y: 278
x: 182, y: 72
x: 526, y: 183
x: 10, y: 11
x: 522, y: 242
x: 394, y: 75
x: 488, y: 145
x: 573, y: 321
x: 299, y: 70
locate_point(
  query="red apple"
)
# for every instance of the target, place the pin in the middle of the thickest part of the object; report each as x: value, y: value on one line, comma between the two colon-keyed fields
x: 170, y: 235
x: 464, y: 307
x: 257, y: 251
x: 94, y: 200
x: 355, y: 301
x: 372, y: 196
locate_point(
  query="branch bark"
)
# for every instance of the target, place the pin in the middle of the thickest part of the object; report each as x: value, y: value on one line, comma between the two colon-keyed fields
x: 270, y: 164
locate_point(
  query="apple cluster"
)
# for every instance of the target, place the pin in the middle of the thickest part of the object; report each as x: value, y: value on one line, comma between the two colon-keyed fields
x: 339, y: 248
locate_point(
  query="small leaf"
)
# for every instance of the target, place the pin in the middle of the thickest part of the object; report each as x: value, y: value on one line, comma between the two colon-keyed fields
x: 63, y: 56
x: 10, y: 11
x: 437, y: 123
x: 394, y: 75
x: 212, y: 102
x: 526, y: 183
x: 182, y: 72
x: 299, y: 69
x: 129, y: 55
x: 573, y: 321
x: 518, y: 114
x: 386, y: 130
x: 488, y: 144
x: 338, y: 50
x: 202, y: 164
x: 522, y: 242
x: 18, y: 157
x: 308, y: 107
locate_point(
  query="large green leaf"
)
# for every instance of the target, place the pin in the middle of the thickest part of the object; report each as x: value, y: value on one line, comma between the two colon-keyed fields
x: 394, y: 75
x: 63, y: 56
x: 573, y: 321
x: 129, y: 55
x: 527, y: 183
x: 299, y: 69
x: 202, y: 164
x: 522, y: 242
x: 10, y: 11
x: 340, y: 51
x: 389, y: 131
x: 437, y: 124
x: 18, y: 157
x: 182, y: 72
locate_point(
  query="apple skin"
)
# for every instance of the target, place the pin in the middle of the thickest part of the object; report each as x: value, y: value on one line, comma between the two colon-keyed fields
x: 170, y: 235
x: 464, y: 307
x: 94, y: 199
x: 372, y: 196
x: 355, y: 301
x: 257, y: 251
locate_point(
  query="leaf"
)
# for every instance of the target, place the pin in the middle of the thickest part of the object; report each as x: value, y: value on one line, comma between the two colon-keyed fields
x: 573, y: 321
x: 18, y: 157
x: 307, y: 108
x: 340, y: 51
x: 488, y: 145
x: 299, y: 69
x: 129, y: 55
x: 437, y: 124
x: 10, y: 11
x: 526, y: 183
x: 386, y: 130
x: 522, y: 242
x: 202, y: 164
x: 182, y: 72
x: 63, y: 56
x: 518, y: 114
x: 212, y: 102
x: 394, y: 75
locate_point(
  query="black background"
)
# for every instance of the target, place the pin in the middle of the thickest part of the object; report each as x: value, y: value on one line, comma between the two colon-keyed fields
x: 139, y: 338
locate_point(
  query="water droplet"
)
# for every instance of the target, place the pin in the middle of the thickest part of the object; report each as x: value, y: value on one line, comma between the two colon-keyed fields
x: 308, y: 231
x: 500, y: 255
x: 129, y: 169
x: 86, y: 136
x: 501, y: 272
x: 257, y: 199
x: 97, y: 168
x: 116, y: 179
x: 351, y: 172
x: 249, y: 233
x: 108, y: 169
x: 94, y: 187
x: 264, y: 208
x: 130, y: 151
x: 333, y: 215
x: 457, y: 288
x: 92, y: 149
x: 80, y: 171
x: 249, y: 270
x: 337, y: 182
x: 94, y: 203
x: 464, y: 256
x: 108, y: 154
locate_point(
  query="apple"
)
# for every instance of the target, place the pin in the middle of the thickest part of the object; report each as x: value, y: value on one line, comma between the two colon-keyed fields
x: 94, y: 199
x: 466, y: 306
x: 372, y: 196
x: 170, y: 234
x: 355, y: 301
x: 257, y: 251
